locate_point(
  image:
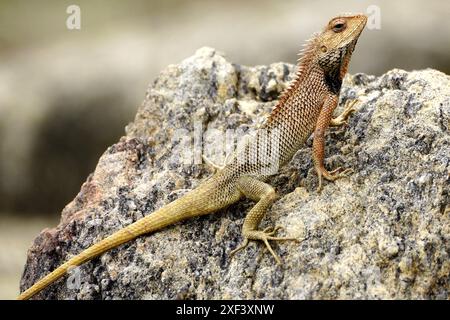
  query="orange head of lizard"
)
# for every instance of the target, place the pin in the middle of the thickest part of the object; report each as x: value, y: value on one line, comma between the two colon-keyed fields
x: 336, y: 43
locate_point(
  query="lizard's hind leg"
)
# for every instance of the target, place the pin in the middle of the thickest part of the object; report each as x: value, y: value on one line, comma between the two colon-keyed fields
x: 265, y: 195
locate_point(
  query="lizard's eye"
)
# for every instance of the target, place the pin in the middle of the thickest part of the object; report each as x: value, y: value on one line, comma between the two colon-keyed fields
x: 339, y: 26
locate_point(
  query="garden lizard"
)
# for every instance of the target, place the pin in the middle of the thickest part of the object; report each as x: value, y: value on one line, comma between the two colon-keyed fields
x: 305, y: 108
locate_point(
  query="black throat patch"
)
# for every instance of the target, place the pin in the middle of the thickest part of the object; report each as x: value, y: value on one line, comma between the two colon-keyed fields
x: 333, y: 75
x: 333, y: 81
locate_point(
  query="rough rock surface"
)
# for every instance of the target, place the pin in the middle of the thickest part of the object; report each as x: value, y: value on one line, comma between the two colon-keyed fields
x: 384, y: 232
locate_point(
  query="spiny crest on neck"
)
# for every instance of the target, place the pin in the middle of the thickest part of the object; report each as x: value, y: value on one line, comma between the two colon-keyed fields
x: 303, y: 66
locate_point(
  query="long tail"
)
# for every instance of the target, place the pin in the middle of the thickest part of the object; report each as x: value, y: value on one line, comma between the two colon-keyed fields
x: 192, y: 204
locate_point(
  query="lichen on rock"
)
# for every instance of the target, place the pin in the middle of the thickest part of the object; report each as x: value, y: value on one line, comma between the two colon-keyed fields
x: 381, y: 233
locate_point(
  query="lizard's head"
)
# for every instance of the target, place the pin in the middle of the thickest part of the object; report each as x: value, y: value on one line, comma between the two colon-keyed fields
x: 336, y: 42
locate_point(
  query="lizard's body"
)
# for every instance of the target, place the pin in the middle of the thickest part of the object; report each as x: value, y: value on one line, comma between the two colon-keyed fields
x: 305, y: 108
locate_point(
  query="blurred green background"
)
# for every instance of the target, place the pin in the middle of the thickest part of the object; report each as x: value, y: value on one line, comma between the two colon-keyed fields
x: 65, y: 95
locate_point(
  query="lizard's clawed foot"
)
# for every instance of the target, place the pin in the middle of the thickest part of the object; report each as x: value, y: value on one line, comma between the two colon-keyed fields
x: 270, y: 231
x: 349, y: 108
x: 264, y: 236
x: 213, y: 165
x: 332, y: 175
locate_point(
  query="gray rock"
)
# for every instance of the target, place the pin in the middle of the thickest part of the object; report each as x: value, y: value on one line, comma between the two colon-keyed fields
x: 381, y: 233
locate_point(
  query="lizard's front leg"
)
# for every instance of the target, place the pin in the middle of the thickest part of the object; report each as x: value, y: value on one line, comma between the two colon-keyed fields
x: 319, y: 143
x: 343, y: 117
x: 265, y: 195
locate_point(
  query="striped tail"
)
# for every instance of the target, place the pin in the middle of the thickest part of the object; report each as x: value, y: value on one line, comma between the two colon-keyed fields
x: 194, y: 203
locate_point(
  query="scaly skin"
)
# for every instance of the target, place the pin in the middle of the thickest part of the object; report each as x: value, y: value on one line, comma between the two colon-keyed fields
x: 306, y: 107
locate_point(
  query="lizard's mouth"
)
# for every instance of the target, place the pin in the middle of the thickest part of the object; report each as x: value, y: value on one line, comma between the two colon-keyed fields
x: 360, y: 27
x: 357, y: 30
